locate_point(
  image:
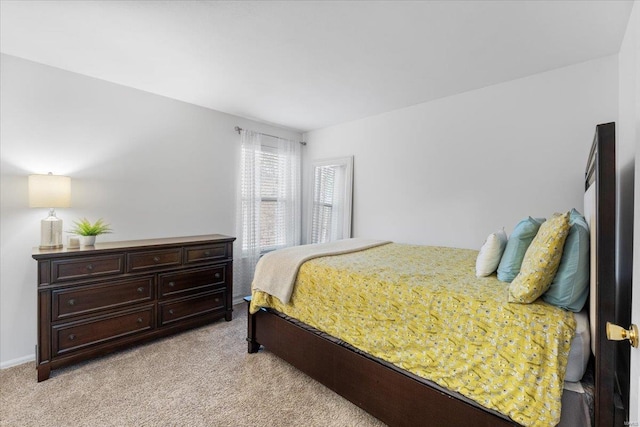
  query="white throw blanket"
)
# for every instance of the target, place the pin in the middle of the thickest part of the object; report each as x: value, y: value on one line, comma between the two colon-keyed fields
x: 276, y: 271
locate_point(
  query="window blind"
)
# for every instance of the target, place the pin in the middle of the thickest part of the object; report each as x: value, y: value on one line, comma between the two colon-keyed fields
x: 323, y: 204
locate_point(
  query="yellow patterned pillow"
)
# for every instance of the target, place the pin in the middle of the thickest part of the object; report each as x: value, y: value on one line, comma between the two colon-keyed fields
x: 541, y: 261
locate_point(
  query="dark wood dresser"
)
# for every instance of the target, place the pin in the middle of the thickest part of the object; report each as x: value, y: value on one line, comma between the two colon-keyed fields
x: 101, y: 298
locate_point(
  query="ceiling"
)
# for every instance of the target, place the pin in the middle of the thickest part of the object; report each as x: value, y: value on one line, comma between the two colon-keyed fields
x: 310, y: 64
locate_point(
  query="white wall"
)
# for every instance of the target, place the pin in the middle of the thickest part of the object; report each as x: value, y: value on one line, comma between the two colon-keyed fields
x: 149, y: 165
x: 446, y: 172
x: 451, y: 171
x: 628, y: 137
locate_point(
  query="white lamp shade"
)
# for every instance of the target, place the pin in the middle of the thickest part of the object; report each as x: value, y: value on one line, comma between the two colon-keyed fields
x: 49, y: 191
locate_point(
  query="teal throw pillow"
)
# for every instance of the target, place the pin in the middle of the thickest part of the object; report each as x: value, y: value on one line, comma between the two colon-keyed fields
x: 570, y: 287
x: 517, y: 245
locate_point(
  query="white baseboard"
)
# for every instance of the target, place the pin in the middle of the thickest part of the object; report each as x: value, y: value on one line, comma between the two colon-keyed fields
x: 18, y: 361
x: 238, y: 300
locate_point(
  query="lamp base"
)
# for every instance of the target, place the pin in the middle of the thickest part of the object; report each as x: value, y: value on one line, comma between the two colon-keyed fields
x: 51, y: 232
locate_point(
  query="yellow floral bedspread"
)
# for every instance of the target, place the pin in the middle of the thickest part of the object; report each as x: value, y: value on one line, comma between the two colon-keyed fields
x: 422, y: 309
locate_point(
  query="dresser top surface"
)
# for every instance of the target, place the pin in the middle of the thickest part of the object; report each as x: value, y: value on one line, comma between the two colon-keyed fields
x: 131, y: 244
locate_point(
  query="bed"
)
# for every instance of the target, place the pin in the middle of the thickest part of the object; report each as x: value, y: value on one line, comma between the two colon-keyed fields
x: 399, y: 395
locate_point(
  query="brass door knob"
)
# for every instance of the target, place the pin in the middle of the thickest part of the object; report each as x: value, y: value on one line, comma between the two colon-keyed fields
x: 618, y: 333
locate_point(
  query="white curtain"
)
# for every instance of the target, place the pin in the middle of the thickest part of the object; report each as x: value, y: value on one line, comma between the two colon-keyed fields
x: 268, y: 202
x: 247, y: 242
x: 289, y: 197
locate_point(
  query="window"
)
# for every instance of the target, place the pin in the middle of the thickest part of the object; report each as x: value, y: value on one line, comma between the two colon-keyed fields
x: 323, y: 205
x: 269, y: 194
x: 331, y: 192
x: 272, y: 205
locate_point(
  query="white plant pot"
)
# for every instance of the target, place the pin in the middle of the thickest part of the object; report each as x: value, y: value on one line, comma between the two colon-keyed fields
x: 88, y: 240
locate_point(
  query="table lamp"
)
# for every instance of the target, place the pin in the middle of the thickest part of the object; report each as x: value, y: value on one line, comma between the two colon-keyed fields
x: 50, y: 191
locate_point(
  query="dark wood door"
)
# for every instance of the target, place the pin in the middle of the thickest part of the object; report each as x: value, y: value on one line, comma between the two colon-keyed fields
x: 625, y: 215
x: 613, y: 257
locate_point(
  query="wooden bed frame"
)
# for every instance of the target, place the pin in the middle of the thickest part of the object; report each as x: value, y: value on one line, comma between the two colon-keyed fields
x: 398, y: 399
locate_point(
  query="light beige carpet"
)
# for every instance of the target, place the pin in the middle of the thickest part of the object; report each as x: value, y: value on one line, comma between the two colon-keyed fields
x: 203, y: 377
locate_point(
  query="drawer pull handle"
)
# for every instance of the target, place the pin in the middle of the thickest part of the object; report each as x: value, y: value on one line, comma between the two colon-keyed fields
x: 171, y: 311
x: 207, y: 253
x: 90, y: 267
x: 72, y: 301
x: 171, y: 284
x: 217, y: 275
x: 141, y: 289
x: 139, y: 320
x: 72, y: 337
x: 156, y: 259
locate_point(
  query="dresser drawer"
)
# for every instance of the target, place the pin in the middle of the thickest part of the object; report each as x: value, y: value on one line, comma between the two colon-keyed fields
x: 190, y: 281
x: 78, y: 335
x: 195, y: 254
x: 82, y: 268
x: 154, y: 259
x: 183, y: 309
x: 89, y: 299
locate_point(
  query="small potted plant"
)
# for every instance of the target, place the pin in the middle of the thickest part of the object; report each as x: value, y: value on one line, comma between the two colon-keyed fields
x: 88, y: 231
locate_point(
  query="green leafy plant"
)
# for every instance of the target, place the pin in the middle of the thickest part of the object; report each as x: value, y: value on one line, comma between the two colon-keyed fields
x: 83, y: 227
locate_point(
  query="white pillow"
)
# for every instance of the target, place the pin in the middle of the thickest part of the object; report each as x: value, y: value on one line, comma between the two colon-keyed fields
x: 490, y: 253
